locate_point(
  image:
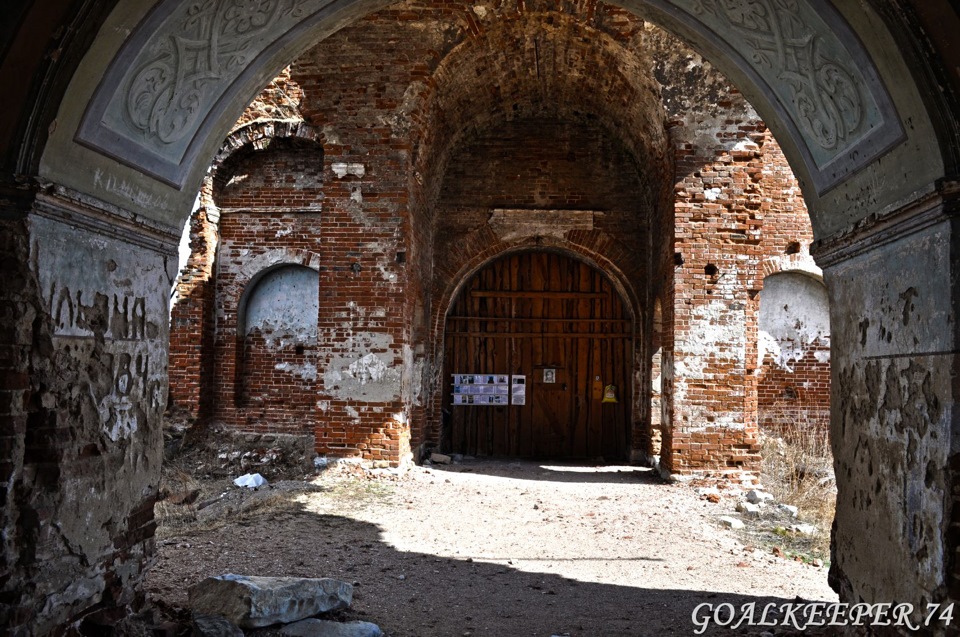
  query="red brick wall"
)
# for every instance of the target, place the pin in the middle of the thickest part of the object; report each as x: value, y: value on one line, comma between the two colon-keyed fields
x: 272, y: 398
x: 269, y: 196
x: 547, y: 165
x: 795, y: 397
x: 738, y: 212
x: 250, y: 244
x: 192, y: 324
x: 286, y: 175
x: 433, y: 115
x: 735, y: 210
x: 365, y: 231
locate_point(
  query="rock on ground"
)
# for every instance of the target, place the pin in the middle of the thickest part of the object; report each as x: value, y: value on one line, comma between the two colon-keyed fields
x: 440, y: 458
x: 254, y: 602
x: 214, y: 626
x: 758, y: 497
x: 324, y: 628
x: 733, y: 523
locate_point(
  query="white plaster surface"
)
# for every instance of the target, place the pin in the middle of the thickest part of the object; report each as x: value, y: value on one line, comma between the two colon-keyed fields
x: 794, y: 318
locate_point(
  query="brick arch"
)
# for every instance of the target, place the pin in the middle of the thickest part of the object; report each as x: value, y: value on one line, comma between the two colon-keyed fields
x: 797, y: 262
x: 793, y: 398
x: 227, y: 381
x: 255, y: 136
x: 459, y: 103
x: 913, y: 192
x: 491, y: 253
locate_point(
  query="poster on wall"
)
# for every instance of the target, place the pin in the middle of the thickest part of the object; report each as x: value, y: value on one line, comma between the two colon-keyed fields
x: 481, y: 389
x: 518, y: 390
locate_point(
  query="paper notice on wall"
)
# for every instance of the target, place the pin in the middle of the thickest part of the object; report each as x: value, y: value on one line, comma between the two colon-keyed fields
x: 518, y: 390
x: 481, y: 389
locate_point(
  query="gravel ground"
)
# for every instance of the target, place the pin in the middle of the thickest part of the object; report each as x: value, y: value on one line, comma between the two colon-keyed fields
x: 491, y: 548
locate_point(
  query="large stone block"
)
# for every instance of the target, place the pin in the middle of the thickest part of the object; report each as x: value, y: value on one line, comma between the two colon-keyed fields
x: 254, y: 602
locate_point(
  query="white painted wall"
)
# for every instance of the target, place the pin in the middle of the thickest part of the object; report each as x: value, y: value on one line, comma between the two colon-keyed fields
x: 794, y: 318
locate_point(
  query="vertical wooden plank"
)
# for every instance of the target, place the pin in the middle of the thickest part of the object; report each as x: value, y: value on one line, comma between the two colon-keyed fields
x: 608, y: 436
x: 580, y: 363
x: 471, y: 412
x: 514, y: 414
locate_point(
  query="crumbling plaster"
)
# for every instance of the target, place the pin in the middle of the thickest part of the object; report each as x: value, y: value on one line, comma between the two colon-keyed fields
x: 892, y: 434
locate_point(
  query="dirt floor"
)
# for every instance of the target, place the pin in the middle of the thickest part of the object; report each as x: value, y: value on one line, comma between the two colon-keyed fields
x: 490, y: 548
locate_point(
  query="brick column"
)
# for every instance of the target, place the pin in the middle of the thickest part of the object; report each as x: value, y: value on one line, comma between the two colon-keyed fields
x: 191, y: 321
x: 361, y: 328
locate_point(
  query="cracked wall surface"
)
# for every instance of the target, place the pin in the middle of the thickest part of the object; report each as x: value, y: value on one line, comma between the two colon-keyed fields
x: 86, y: 477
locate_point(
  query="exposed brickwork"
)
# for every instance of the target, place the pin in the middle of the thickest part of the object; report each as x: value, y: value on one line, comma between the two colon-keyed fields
x: 554, y: 166
x: 271, y: 397
x: 737, y: 206
x: 798, y: 396
x: 286, y: 174
x: 191, y: 322
x: 63, y: 480
x: 432, y: 116
x: 249, y: 244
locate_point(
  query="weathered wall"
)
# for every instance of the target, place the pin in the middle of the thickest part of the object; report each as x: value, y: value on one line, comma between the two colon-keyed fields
x: 453, y: 175
x: 879, y: 424
x: 19, y: 305
x: 893, y: 433
x: 277, y: 370
x: 793, y: 353
x: 737, y: 207
x: 192, y: 321
x: 85, y: 458
x: 544, y: 183
x: 269, y: 200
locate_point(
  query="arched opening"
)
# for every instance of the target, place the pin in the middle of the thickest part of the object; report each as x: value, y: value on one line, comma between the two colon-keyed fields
x: 277, y: 351
x: 882, y: 204
x: 794, y: 353
x: 538, y: 351
x: 793, y: 400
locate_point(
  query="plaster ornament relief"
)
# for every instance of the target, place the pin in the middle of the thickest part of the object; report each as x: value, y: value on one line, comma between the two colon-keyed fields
x: 827, y: 99
x: 212, y: 41
x: 190, y: 62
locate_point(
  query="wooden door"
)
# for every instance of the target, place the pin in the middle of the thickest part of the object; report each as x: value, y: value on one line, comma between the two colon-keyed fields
x: 561, y: 324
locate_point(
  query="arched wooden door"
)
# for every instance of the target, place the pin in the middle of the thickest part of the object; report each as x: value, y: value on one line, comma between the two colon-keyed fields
x: 558, y: 325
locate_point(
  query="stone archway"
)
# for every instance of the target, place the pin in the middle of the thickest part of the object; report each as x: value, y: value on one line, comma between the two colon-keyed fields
x: 116, y: 185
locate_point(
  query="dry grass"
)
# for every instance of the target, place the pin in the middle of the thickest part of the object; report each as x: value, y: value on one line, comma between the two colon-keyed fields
x: 798, y: 469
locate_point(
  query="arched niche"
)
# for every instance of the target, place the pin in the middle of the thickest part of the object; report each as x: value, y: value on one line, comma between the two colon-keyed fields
x: 793, y: 352
x: 277, y: 347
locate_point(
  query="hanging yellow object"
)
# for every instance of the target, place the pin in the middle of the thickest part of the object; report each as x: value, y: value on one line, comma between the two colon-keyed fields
x: 610, y: 394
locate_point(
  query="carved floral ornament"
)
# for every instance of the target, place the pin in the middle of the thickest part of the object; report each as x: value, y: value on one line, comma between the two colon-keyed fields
x: 187, y: 65
x: 827, y: 100
x: 170, y: 91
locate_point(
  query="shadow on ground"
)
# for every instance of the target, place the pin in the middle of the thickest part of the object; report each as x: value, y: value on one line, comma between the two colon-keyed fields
x: 419, y: 595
